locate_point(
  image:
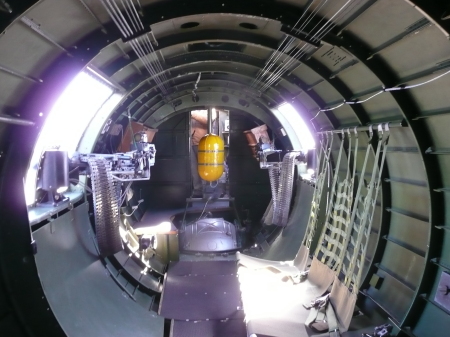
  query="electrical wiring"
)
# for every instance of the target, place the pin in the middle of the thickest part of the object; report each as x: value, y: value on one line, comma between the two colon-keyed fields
x: 125, y: 15
x: 367, y: 99
x: 150, y: 52
x: 418, y: 84
x: 206, y: 203
x: 153, y: 55
x: 333, y: 108
x: 277, y: 54
x: 123, y: 196
x: 262, y: 72
x: 42, y: 197
x: 72, y: 171
x: 147, y: 64
x: 306, y: 48
x: 82, y: 184
x: 330, y: 21
x: 283, y: 67
x: 402, y: 87
x: 113, y: 17
x: 303, y: 14
x: 129, y: 23
x: 121, y: 17
x: 136, y: 12
x: 134, y: 208
x: 139, y: 3
x: 128, y: 15
x: 316, y: 36
x: 319, y: 35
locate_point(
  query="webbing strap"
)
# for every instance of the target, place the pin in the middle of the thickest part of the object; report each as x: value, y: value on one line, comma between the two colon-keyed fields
x: 317, y: 316
x: 355, y: 203
x: 322, y: 316
x: 365, y: 225
x: 317, y: 312
x: 333, y: 325
x: 329, y: 257
x: 322, y: 162
x: 344, y: 209
x: 360, y: 227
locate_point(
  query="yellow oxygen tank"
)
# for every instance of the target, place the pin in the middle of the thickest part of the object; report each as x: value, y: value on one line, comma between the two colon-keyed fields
x: 210, y: 157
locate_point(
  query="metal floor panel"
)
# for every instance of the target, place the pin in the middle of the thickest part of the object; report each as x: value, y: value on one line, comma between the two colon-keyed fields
x: 201, y: 297
x: 183, y: 268
x: 216, y: 328
x: 83, y: 296
x: 204, y: 290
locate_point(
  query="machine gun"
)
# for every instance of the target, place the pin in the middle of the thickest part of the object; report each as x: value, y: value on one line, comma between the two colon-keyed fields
x: 108, y: 172
x: 129, y: 166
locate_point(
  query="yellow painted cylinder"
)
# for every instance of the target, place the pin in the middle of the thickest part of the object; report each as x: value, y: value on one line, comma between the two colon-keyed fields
x: 210, y: 157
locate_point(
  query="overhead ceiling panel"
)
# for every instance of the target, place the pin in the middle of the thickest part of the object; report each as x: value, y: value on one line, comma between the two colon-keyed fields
x: 328, y: 93
x: 307, y: 75
x: 327, y: 9
x: 10, y: 86
x: 405, y: 165
x: 444, y: 164
x: 383, y: 21
x: 406, y: 198
x: 191, y: 23
x: 108, y: 55
x: 359, y: 78
x: 402, y: 137
x: 25, y: 51
x: 407, y: 58
x: 257, y: 52
x: 382, y: 106
x: 346, y: 116
x: 307, y: 101
x: 431, y: 97
x: 440, y: 128
x: 67, y: 20
x: 333, y: 58
x: 128, y: 71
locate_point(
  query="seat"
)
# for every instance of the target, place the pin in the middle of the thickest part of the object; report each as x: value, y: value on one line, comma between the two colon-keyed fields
x: 276, y: 307
x: 294, y: 268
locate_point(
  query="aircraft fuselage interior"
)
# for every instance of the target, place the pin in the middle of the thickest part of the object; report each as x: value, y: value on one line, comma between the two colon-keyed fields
x: 253, y: 168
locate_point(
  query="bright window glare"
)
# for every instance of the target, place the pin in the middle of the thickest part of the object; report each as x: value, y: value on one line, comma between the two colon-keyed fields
x: 72, y: 112
x: 87, y: 142
x: 66, y: 122
x: 253, y: 283
x: 298, y: 126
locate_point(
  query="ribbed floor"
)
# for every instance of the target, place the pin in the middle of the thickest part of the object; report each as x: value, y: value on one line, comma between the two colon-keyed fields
x: 202, y: 290
x: 187, y: 268
x: 216, y: 328
x: 203, y: 299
